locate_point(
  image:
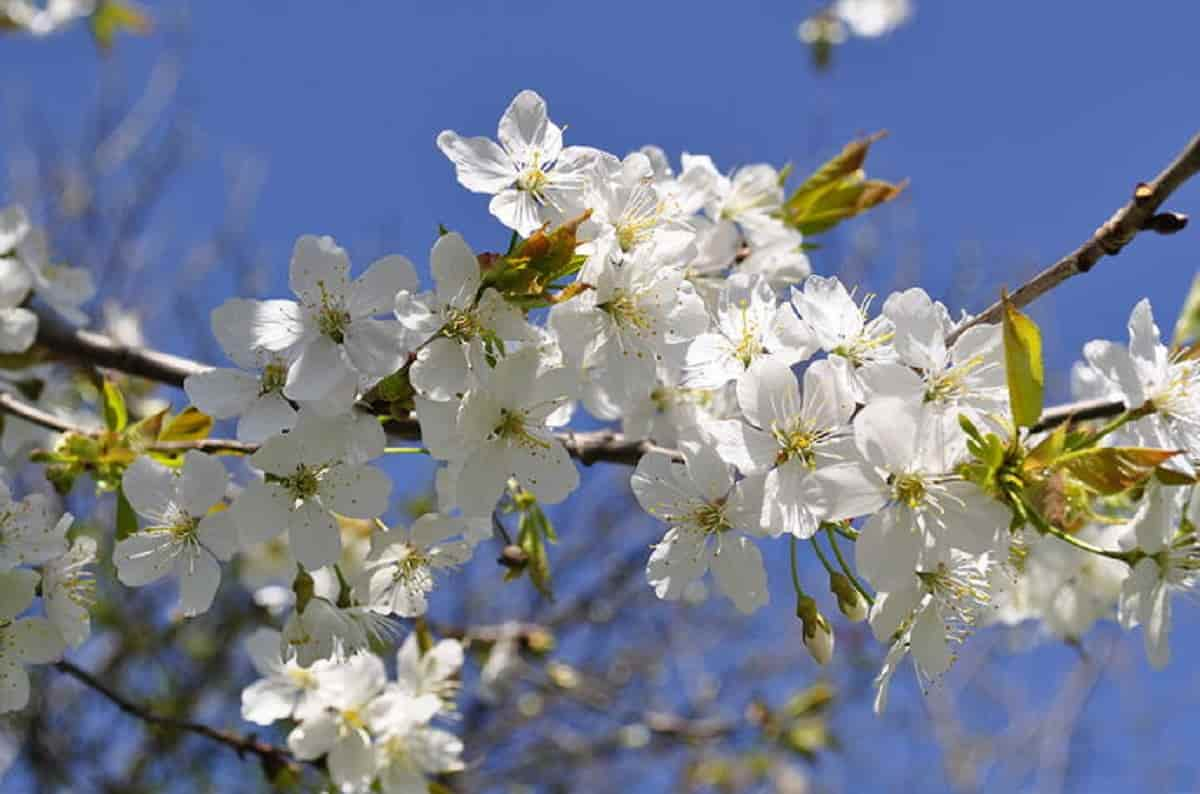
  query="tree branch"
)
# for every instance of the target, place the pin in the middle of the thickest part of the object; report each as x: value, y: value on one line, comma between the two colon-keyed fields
x: 1137, y: 215
x: 11, y: 404
x: 272, y: 758
x: 96, y: 350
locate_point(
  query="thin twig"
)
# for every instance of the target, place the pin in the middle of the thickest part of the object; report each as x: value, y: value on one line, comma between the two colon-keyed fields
x: 273, y: 758
x: 11, y: 404
x: 1137, y: 215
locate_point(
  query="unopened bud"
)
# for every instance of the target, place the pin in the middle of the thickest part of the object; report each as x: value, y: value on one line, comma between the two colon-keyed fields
x: 818, y: 635
x: 514, y: 557
x: 849, y: 600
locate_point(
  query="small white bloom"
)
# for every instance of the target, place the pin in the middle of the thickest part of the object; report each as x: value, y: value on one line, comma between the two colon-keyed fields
x: 22, y: 642
x: 788, y: 436
x: 399, y: 575
x: 455, y: 328
x: 841, y: 327
x: 711, y: 521
x: 1171, y: 565
x: 333, y: 723
x: 330, y: 337
x: 750, y: 326
x: 69, y: 590
x: 966, y: 378
x: 872, y: 18
x: 630, y: 209
x: 28, y: 533
x: 627, y: 323
x: 309, y: 477
x: 502, y: 433
x: 924, y: 511
x: 429, y: 673
x: 284, y: 686
x: 1146, y: 374
x: 532, y: 178
x: 933, y: 610
x: 183, y: 536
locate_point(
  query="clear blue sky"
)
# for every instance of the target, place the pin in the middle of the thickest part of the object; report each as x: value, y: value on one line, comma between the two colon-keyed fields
x: 1022, y: 125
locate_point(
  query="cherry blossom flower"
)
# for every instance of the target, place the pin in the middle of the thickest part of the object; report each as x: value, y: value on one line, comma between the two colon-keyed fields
x: 455, y: 328
x: 532, y: 178
x: 399, y: 574
x: 23, y: 641
x: 310, y: 474
x: 69, y: 590
x: 330, y: 337
x: 184, y: 537
x: 28, y: 533
x: 712, y: 521
x: 502, y: 431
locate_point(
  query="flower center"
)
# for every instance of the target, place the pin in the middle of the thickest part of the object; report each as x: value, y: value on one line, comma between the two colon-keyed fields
x: 511, y: 428
x: 462, y: 325
x: 274, y: 376
x: 799, y: 442
x: 303, y: 483
x: 625, y: 311
x: 640, y: 217
x: 909, y: 489
x: 710, y: 518
x: 951, y: 384
x: 533, y: 179
x: 353, y: 719
x: 332, y: 317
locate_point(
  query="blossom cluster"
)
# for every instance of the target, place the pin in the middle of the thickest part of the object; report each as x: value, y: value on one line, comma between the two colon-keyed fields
x: 37, y: 559
x: 345, y: 708
x: 782, y: 407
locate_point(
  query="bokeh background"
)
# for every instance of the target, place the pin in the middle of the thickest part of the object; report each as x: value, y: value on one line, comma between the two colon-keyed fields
x: 211, y: 144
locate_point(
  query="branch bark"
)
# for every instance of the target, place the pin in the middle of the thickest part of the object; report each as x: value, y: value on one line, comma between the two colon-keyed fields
x: 1138, y: 214
x: 272, y: 758
x: 13, y: 405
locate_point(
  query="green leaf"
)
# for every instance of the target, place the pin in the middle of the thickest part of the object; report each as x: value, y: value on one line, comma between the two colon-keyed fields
x: 1023, y: 365
x: 191, y: 424
x: 1045, y: 453
x: 838, y: 190
x: 127, y: 522
x: 1111, y: 470
x: 116, y: 416
x: 116, y: 16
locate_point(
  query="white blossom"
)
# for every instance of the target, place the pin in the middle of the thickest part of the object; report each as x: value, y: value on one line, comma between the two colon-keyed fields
x: 23, y: 641
x: 309, y: 477
x: 183, y: 537
x: 712, y: 521
x: 531, y: 177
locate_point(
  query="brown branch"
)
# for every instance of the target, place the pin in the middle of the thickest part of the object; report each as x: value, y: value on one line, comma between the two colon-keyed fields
x: 273, y: 758
x: 11, y: 404
x: 1137, y: 215
x: 96, y: 350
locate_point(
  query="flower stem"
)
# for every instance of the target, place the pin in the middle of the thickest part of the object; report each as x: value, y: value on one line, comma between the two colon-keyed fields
x: 795, y: 573
x: 1128, y: 557
x: 837, y: 552
x: 821, y: 555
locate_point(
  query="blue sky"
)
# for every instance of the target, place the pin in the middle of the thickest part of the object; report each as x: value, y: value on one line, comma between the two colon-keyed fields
x: 1022, y: 125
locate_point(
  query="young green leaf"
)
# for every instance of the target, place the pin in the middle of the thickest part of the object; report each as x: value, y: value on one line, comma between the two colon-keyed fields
x: 1023, y: 365
x: 1111, y: 470
x: 116, y: 415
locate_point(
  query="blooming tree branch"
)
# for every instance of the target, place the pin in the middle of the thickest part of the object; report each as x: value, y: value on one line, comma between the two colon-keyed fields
x: 1139, y: 214
x: 272, y: 758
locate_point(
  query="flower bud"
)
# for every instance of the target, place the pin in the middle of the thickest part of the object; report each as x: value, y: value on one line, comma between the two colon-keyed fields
x: 818, y: 636
x: 849, y: 600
